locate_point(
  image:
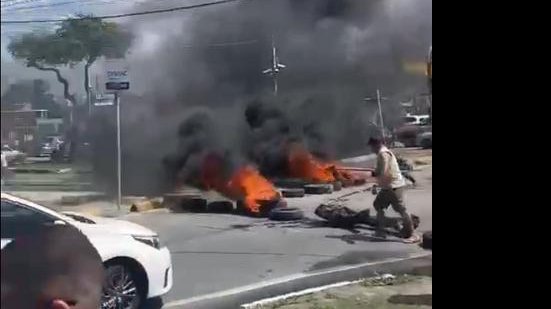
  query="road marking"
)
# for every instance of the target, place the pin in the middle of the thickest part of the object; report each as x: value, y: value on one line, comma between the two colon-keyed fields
x: 267, y: 283
x: 260, y: 303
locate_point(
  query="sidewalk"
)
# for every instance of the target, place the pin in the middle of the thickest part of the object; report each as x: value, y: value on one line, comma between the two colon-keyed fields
x: 53, y: 199
x: 383, y: 292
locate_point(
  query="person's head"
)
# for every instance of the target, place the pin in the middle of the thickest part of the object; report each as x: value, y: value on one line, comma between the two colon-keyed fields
x: 55, y: 268
x: 375, y: 143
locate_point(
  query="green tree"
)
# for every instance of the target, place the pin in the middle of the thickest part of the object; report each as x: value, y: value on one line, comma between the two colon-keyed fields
x: 93, y: 38
x: 45, y: 52
x: 76, y: 40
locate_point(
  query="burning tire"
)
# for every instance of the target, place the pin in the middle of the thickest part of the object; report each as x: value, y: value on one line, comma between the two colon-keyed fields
x: 290, y: 183
x: 265, y: 207
x: 286, y: 214
x: 337, y: 186
x: 194, y: 205
x: 292, y: 192
x: 220, y: 207
x: 427, y: 240
x: 318, y: 189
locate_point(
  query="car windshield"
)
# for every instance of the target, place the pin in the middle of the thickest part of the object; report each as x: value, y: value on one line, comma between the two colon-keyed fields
x: 207, y: 146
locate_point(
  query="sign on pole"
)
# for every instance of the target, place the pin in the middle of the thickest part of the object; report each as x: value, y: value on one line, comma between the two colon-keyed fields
x: 116, y: 75
x: 104, y: 100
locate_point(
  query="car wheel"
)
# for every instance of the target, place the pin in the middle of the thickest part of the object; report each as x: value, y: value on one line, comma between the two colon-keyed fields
x: 122, y: 288
x: 426, y: 143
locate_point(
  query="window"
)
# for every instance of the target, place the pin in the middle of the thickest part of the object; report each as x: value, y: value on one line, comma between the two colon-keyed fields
x: 410, y: 119
x: 18, y: 220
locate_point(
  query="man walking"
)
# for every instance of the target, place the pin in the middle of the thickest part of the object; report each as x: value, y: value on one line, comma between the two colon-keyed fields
x: 392, y: 184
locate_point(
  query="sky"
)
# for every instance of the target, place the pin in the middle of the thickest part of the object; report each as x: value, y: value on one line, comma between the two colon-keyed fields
x: 59, y: 9
x: 54, y: 9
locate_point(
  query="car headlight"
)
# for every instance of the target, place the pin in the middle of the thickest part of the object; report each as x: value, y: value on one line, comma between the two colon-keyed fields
x: 152, y: 241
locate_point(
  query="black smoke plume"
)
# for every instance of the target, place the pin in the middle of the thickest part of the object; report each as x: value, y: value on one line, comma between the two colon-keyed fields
x: 337, y: 52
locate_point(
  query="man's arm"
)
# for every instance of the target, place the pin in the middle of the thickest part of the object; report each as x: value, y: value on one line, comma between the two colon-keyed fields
x: 380, y: 169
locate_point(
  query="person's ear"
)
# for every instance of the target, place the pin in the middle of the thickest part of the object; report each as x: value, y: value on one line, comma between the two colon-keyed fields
x: 59, y: 304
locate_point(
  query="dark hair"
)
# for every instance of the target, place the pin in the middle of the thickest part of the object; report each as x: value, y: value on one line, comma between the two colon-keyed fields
x: 56, y: 262
x: 375, y: 141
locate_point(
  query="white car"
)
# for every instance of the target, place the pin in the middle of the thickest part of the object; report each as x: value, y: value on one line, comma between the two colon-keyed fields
x: 137, y: 267
x: 13, y: 155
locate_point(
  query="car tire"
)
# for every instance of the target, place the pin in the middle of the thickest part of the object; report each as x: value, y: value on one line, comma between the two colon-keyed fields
x: 286, y: 214
x: 220, y: 207
x: 427, y: 240
x: 290, y: 183
x: 292, y: 192
x: 426, y: 144
x: 318, y: 189
x: 194, y: 205
x: 118, y: 275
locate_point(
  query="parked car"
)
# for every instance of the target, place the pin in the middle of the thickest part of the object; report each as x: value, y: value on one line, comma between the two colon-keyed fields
x: 128, y: 250
x: 424, y: 139
x: 49, y: 145
x: 12, y: 155
x: 418, y: 120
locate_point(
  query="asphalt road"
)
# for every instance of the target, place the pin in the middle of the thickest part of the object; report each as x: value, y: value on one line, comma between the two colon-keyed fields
x: 214, y: 252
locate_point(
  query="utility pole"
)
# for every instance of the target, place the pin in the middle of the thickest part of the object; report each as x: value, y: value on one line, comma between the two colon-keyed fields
x: 378, y: 99
x: 88, y: 97
x: 276, y: 67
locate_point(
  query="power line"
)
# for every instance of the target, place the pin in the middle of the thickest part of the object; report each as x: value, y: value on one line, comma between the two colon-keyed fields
x: 181, y: 8
x: 49, y: 5
x: 12, y: 3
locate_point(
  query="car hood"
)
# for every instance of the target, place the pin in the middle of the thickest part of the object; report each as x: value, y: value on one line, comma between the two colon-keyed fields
x: 107, y: 225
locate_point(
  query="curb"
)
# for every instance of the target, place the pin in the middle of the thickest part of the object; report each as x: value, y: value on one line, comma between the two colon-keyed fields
x: 75, y: 200
x: 235, y: 298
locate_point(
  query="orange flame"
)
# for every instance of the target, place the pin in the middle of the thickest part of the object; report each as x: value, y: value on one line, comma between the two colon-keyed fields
x: 244, y: 184
x: 302, y: 164
x: 248, y: 183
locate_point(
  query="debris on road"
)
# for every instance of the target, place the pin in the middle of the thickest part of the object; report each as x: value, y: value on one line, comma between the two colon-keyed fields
x: 338, y: 215
x: 146, y: 205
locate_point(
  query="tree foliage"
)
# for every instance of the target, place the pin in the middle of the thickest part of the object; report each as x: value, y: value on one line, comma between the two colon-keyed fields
x: 76, y: 40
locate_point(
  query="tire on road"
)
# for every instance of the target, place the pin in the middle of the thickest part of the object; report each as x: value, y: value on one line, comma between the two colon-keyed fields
x: 286, y: 214
x: 427, y: 240
x: 292, y: 192
x: 318, y: 189
x: 220, y: 207
x: 290, y: 183
x: 194, y: 205
x: 337, y: 186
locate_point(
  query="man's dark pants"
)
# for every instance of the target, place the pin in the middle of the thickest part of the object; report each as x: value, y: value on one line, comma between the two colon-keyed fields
x: 395, y: 198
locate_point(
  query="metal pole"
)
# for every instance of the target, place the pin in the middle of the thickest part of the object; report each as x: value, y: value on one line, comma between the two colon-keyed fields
x: 380, y: 113
x: 119, y: 178
x: 89, y: 101
x: 275, y: 84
